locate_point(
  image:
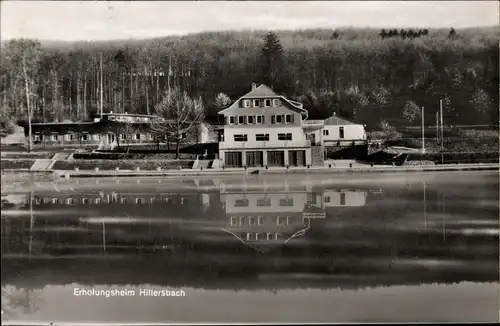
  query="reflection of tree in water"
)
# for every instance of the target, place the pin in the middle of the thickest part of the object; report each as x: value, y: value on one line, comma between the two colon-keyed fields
x: 19, y: 301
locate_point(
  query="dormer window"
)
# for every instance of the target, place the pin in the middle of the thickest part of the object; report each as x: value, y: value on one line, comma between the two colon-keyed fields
x: 276, y: 102
x: 231, y: 120
x: 241, y: 119
x: 256, y: 103
x: 246, y: 103
x: 268, y: 102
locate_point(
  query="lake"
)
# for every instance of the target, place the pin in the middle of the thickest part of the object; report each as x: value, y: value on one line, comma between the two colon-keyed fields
x: 404, y: 247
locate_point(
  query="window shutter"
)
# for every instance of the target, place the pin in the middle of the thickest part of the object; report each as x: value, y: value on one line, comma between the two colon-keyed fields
x: 273, y: 119
x: 291, y: 119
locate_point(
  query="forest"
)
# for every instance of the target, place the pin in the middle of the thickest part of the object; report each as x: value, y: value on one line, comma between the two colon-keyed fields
x: 371, y: 76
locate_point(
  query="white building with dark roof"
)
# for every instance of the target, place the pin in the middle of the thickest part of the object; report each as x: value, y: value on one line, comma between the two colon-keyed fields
x: 263, y: 128
x: 341, y: 132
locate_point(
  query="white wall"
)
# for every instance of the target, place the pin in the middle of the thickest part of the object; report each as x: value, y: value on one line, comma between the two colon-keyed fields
x: 351, y: 132
x: 299, y: 200
x: 332, y: 198
x: 298, y: 137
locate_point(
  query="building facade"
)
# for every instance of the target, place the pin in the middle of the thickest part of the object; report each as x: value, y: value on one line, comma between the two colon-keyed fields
x: 106, y: 132
x: 263, y: 128
x: 340, y: 132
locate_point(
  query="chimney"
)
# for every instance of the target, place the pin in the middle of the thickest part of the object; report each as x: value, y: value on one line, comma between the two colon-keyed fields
x: 254, y: 86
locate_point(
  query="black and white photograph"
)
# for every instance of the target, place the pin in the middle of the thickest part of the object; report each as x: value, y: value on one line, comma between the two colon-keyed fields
x: 256, y: 162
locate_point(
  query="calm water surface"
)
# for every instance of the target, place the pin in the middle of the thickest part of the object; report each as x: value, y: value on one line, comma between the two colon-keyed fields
x: 302, y: 248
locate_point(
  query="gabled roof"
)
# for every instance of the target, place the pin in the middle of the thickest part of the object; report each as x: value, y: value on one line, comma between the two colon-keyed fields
x: 263, y: 91
x: 336, y: 121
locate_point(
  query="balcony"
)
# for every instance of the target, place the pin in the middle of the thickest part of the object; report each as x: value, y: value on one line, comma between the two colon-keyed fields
x: 264, y: 144
x: 311, y: 125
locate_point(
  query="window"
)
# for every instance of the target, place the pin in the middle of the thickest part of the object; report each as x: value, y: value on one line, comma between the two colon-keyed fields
x: 276, y: 102
x: 96, y: 137
x: 286, y: 202
x: 137, y: 136
x: 268, y: 102
x: 270, y: 236
x: 240, y: 137
x: 260, y: 119
x: 150, y: 137
x: 68, y: 137
x: 278, y: 236
x: 36, y: 137
x: 123, y: 200
x: 256, y: 103
x: 289, y: 118
x: 249, y: 236
x: 241, y: 119
x: 264, y: 202
x: 234, y: 221
x: 262, y: 137
x: 53, y: 137
x: 246, y: 103
x: 281, y: 220
x: 232, y: 120
x: 251, y: 221
x: 241, y: 203
x: 85, y: 137
x: 242, y: 220
x: 279, y: 119
x: 251, y: 119
x: 342, y: 198
x: 327, y: 199
x: 325, y: 132
x: 260, y: 220
x: 284, y: 136
x: 341, y: 132
x: 123, y: 137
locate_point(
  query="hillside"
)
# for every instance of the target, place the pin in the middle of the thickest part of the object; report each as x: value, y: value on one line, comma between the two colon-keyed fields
x: 357, y: 73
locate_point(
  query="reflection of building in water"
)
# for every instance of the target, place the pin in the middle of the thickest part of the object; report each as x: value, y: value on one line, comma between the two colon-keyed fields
x: 280, y: 213
x: 255, y: 212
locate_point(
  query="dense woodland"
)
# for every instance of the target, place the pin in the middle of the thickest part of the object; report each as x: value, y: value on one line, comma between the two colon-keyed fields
x: 368, y: 75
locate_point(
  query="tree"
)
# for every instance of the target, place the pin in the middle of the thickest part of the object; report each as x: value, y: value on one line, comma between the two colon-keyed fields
x: 411, y: 111
x: 24, y: 57
x: 389, y: 132
x: 222, y: 101
x: 177, y: 116
x: 7, y: 126
x: 383, y: 34
x: 381, y: 96
x: 452, y: 33
x: 481, y: 101
x: 272, y: 59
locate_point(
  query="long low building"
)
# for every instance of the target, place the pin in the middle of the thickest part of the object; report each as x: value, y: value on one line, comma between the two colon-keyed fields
x: 106, y: 132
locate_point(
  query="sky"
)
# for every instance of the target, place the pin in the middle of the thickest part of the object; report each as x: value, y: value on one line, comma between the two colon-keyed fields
x: 106, y: 20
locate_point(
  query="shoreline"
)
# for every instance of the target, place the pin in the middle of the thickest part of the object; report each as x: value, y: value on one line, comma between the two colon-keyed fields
x: 258, y: 171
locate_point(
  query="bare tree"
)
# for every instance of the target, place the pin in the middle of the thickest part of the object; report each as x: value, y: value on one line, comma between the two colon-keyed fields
x: 177, y: 117
x: 24, y: 58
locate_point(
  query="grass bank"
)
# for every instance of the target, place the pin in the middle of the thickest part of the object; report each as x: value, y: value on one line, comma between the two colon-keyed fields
x: 16, y: 164
x: 132, y: 165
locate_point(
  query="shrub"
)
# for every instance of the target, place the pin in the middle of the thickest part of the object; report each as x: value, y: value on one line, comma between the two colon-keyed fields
x: 16, y: 164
